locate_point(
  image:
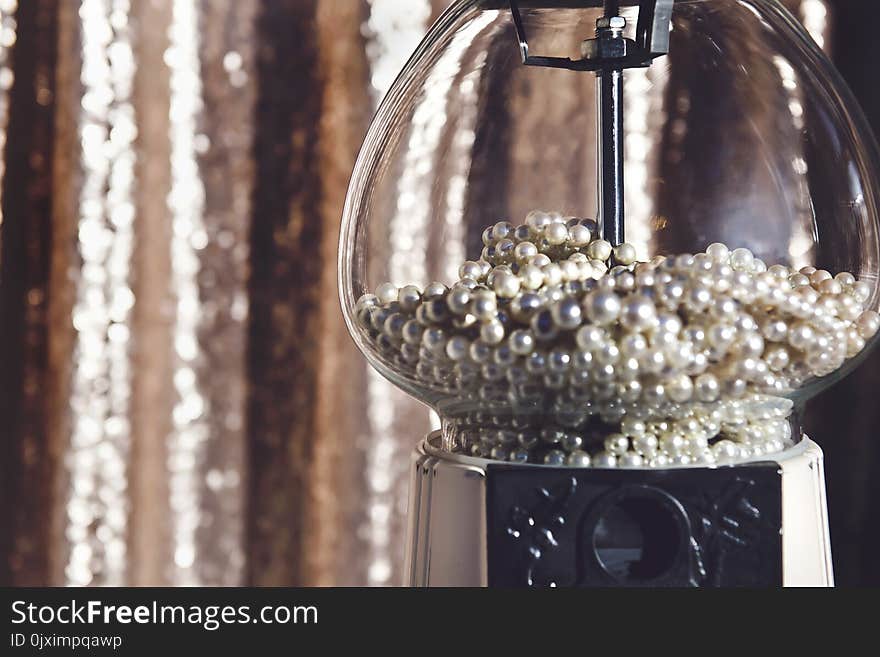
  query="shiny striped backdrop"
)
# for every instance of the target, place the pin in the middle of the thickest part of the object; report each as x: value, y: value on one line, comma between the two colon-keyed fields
x: 179, y: 400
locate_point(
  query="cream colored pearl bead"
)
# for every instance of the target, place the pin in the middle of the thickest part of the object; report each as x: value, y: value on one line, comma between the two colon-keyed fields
x: 707, y: 388
x: 552, y: 274
x: 570, y: 270
x: 602, y: 307
x: 578, y: 459
x: 854, y: 343
x: 845, y: 278
x: 617, y: 444
x: 718, y: 252
x: 470, y: 269
x: 861, y: 291
x: 819, y: 276
x: 830, y: 286
x: 868, y: 324
x: 579, y: 235
x: 604, y: 460
x: 625, y: 254
x: 632, y: 427
x: 599, y: 250
x: 524, y: 251
x: 409, y: 297
x: 741, y: 259
x: 537, y: 220
x: 680, y: 389
x: 492, y: 332
x: 645, y: 444
x: 387, y: 293
x: 638, y: 313
x: 630, y: 460
x: 484, y: 305
x: 506, y: 285
x: 531, y: 277
x: 799, y: 280
x: 556, y: 233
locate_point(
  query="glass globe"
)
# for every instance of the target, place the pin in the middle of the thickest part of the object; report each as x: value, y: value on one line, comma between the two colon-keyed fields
x: 474, y: 276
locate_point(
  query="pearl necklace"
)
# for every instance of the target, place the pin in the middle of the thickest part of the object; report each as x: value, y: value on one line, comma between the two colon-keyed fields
x: 555, y: 347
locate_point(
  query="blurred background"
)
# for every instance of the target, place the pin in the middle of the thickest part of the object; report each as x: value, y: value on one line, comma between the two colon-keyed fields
x: 180, y: 403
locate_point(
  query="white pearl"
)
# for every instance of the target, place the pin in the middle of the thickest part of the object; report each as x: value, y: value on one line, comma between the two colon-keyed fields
x: 386, y: 293
x: 579, y: 235
x: 555, y: 456
x: 590, y: 338
x: 681, y: 388
x: 409, y: 297
x: 799, y: 280
x: 638, y: 313
x: 570, y: 270
x: 506, y: 285
x: 602, y: 307
x: 599, y: 250
x: 707, y: 388
x: 567, y: 313
x: 578, y: 459
x: 484, y: 305
x: 632, y: 427
x: 522, y: 342
x: 625, y: 254
x: 854, y: 343
x: 630, y: 460
x: 801, y: 336
x: 672, y: 443
x: 830, y: 286
x: 845, y: 278
x: 556, y: 233
x: 470, y: 269
x: 531, y: 277
x: 492, y: 332
x: 412, y: 332
x: 537, y: 220
x: 646, y: 444
x: 861, y: 291
x: 741, y: 259
x: 718, y: 252
x: 725, y: 451
x: 616, y: 444
x: 458, y: 299
x: 525, y: 251
x: 457, y: 348
x: 868, y: 324
x: 604, y: 460
x: 818, y: 277
x: 480, y: 352
x: 552, y: 274
x: 774, y: 330
x: 434, y: 290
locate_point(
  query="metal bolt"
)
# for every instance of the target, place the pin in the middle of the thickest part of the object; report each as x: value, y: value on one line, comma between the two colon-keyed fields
x: 613, y: 22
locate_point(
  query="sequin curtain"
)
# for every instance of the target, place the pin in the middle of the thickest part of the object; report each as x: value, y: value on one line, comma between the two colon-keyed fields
x: 182, y: 404
x: 180, y: 401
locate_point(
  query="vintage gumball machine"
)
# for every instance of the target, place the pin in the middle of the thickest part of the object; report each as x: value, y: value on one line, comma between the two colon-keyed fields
x: 615, y: 246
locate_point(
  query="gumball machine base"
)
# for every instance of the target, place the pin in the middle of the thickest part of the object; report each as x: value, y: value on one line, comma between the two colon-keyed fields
x: 476, y: 522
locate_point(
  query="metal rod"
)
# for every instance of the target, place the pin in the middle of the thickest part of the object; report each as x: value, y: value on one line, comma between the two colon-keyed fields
x: 612, y: 8
x: 610, y: 87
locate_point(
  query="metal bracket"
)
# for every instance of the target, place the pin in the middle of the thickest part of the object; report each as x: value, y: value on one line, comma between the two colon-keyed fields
x: 609, y: 50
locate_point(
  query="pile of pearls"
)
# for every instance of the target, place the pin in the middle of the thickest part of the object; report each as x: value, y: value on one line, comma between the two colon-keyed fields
x: 704, y: 434
x: 554, y: 330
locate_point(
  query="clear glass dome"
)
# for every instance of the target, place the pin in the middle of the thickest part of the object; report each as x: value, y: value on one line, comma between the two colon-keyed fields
x: 743, y: 135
